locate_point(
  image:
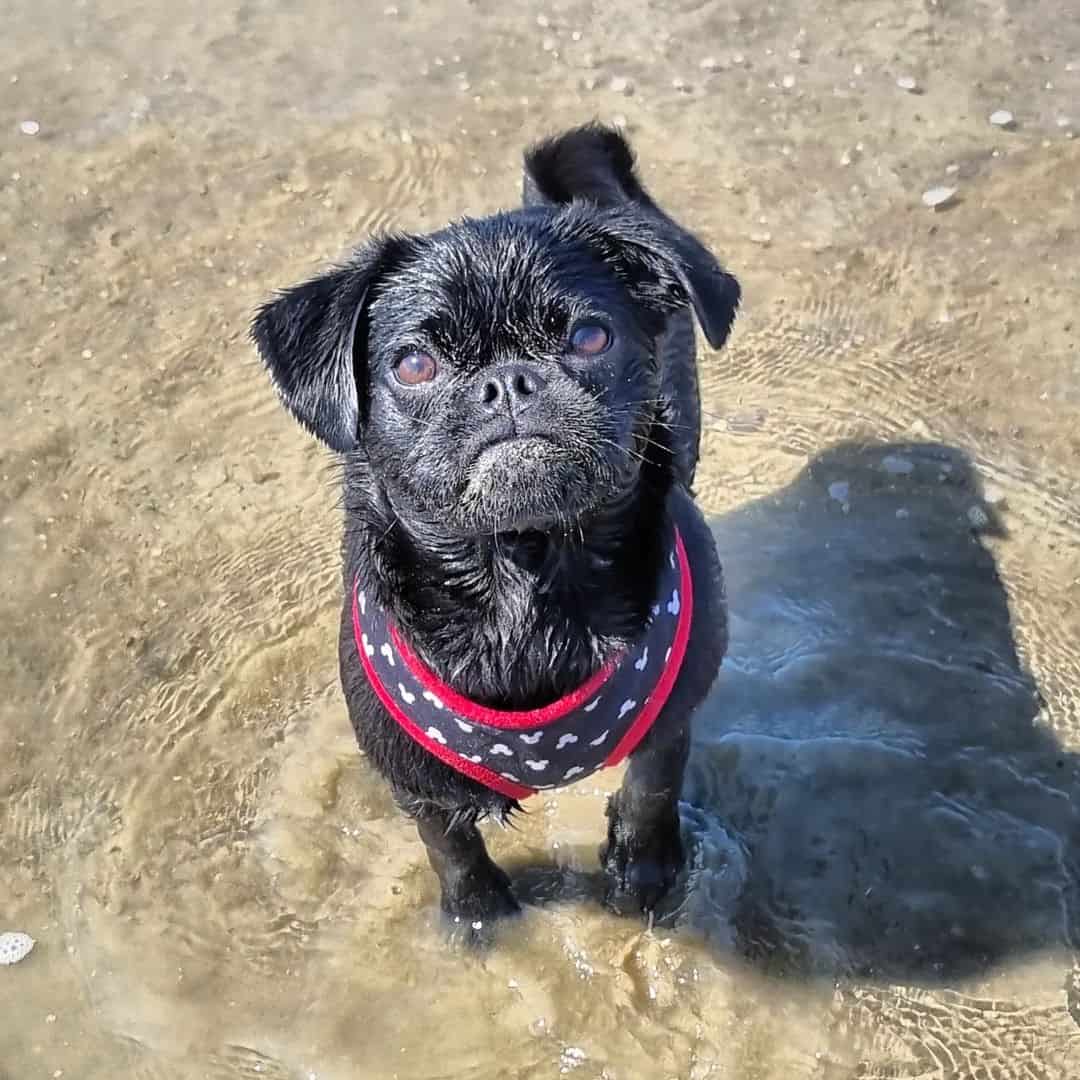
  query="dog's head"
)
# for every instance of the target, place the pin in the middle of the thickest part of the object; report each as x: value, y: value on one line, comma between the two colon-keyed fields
x: 502, y: 373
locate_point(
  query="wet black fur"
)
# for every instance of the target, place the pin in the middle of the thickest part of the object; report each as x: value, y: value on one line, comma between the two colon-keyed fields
x: 516, y: 578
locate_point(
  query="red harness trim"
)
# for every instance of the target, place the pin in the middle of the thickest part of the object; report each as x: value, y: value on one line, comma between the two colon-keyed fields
x: 509, y: 719
x: 658, y: 698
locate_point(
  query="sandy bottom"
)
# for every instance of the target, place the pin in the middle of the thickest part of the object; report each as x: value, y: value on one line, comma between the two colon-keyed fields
x: 883, y: 804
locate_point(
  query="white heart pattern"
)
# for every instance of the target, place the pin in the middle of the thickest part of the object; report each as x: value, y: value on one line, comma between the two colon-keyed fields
x: 385, y: 649
x: 671, y: 559
x: 532, y: 739
x: 537, y: 766
x: 436, y: 734
x: 461, y: 724
x: 502, y: 748
x: 407, y: 696
x: 565, y: 740
x: 437, y: 702
x: 673, y: 603
x: 599, y: 738
x: 510, y: 776
x: 592, y: 705
x: 573, y: 771
x: 639, y: 665
x: 368, y: 647
x: 626, y: 706
x: 655, y: 610
x: 474, y: 758
x: 363, y: 602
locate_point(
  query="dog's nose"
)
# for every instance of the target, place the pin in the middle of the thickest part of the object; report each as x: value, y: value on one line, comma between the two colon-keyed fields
x: 514, y: 387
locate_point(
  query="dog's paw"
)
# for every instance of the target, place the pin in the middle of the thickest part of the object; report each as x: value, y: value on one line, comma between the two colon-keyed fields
x: 474, y: 903
x: 640, y: 870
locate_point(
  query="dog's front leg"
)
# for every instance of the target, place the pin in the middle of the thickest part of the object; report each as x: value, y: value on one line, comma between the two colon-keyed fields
x: 644, y: 852
x: 473, y: 887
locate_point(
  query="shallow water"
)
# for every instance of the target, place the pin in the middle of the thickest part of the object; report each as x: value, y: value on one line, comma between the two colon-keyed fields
x: 882, y: 801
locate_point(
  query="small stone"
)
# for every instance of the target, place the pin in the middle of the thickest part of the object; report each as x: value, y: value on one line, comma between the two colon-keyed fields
x: 710, y: 63
x: 795, y: 54
x: 680, y: 85
x: 87, y: 354
x: 857, y: 69
x: 762, y: 238
x: 548, y: 44
x: 937, y: 197
x: 621, y: 85
x: 29, y: 127
x: 15, y: 946
x: 1002, y: 118
x: 896, y: 465
x: 406, y: 137
x: 993, y: 495
x: 906, y: 82
x: 978, y: 517
x: 543, y: 21
x: 619, y: 120
x: 787, y: 82
x: 738, y: 59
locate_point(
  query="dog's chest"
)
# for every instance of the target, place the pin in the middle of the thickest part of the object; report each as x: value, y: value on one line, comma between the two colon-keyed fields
x: 517, y: 752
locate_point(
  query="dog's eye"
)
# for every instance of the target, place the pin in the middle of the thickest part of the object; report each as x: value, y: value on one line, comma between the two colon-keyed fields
x: 590, y: 339
x: 415, y: 368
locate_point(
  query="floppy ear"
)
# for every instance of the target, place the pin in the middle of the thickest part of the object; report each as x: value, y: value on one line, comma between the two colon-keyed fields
x: 595, y: 164
x: 313, y: 340
x: 665, y: 271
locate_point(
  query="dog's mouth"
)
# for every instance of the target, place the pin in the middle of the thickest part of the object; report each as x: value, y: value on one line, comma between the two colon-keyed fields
x: 513, y: 452
x: 523, y: 483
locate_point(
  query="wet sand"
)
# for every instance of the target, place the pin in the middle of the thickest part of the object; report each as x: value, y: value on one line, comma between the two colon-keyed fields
x: 882, y: 804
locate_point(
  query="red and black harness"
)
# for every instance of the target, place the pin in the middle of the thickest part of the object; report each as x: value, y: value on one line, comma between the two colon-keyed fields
x: 520, y: 753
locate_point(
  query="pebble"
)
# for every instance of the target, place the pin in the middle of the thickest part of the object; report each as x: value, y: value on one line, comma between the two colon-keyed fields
x: 680, y: 85
x: 788, y: 82
x: 906, y: 82
x: 29, y: 127
x: 710, y: 63
x: 762, y: 238
x: 896, y: 465
x: 15, y: 946
x: 938, y: 196
x: 978, y: 517
x: 738, y: 59
x: 993, y: 495
x: 1002, y: 118
x: 621, y: 85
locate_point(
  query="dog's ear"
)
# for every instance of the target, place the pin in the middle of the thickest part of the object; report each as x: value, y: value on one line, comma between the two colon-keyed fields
x: 664, y: 271
x: 313, y: 339
x: 595, y: 164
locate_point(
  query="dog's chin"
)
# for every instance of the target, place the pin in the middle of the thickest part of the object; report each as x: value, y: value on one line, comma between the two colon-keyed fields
x: 525, y: 484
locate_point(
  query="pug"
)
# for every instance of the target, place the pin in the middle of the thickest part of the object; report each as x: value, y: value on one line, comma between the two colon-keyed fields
x: 530, y: 591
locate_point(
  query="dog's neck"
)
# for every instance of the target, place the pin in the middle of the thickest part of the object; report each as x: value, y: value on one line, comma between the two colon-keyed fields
x: 514, y: 621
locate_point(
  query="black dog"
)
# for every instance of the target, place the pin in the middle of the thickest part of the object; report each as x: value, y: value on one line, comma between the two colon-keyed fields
x: 531, y: 592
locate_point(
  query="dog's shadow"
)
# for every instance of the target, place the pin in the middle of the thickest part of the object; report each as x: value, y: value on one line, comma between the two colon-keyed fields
x: 869, y: 789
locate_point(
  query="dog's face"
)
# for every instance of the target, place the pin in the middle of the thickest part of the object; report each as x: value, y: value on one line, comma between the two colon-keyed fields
x: 509, y: 377
x: 499, y: 375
